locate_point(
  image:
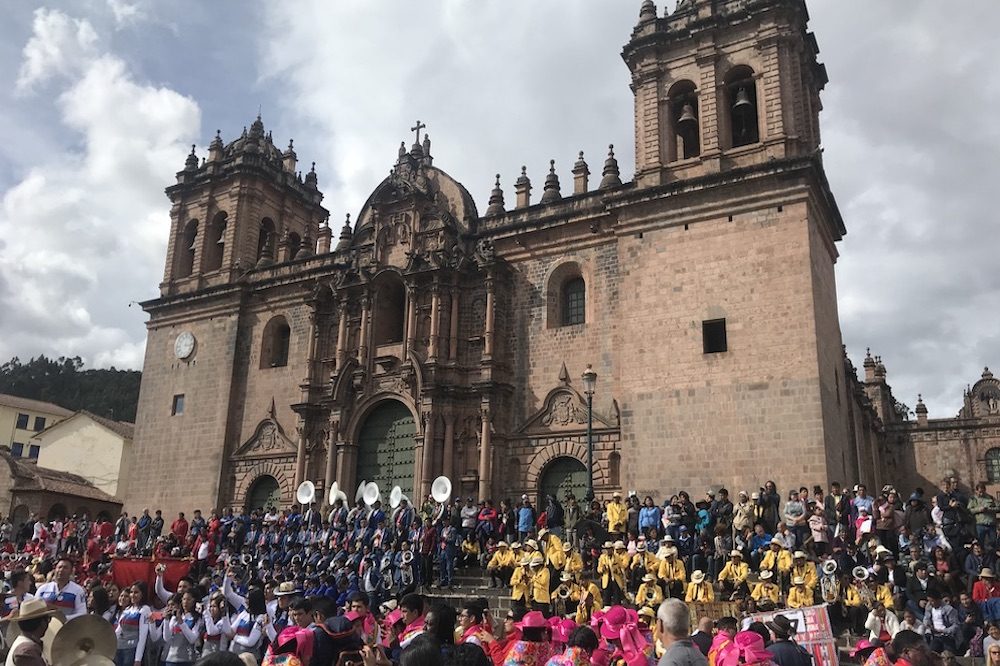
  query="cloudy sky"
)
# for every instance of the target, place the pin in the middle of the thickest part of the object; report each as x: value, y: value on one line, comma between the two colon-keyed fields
x: 100, y: 101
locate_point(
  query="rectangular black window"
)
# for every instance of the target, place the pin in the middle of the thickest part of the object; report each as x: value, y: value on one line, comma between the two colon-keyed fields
x: 178, y: 406
x: 22, y: 421
x: 574, y: 302
x: 33, y: 452
x: 39, y: 423
x: 17, y: 449
x: 714, y: 336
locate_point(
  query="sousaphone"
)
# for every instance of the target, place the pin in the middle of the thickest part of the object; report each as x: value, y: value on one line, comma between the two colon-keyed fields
x: 360, y: 494
x: 395, y: 497
x: 305, y: 493
x: 337, y: 494
x: 371, y: 494
x: 441, y: 489
x: 87, y: 637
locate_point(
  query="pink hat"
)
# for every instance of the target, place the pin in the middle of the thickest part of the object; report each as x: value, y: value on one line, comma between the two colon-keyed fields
x: 614, y: 620
x: 632, y: 615
x: 393, y: 616
x: 532, y: 620
x: 351, y: 616
x: 862, y: 645
x: 749, y: 650
x: 560, y: 629
x: 596, y: 618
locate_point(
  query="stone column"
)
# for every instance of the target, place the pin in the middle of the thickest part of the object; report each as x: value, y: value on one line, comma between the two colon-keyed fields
x: 453, y: 326
x: 300, y: 453
x: 427, y: 458
x: 366, y: 306
x: 488, y: 333
x: 485, y: 455
x: 448, y: 458
x: 346, y: 470
x: 411, y: 317
x: 432, y: 348
x: 331, y: 459
x: 342, y: 336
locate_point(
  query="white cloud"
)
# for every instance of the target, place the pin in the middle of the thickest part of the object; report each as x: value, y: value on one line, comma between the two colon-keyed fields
x: 59, y: 45
x: 85, y: 228
x: 124, y: 12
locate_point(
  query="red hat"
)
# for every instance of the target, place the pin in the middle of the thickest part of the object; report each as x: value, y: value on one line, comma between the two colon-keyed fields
x: 614, y: 620
x: 532, y: 620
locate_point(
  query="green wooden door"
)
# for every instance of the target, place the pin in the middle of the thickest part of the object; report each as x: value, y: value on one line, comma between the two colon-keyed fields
x: 563, y: 475
x: 264, y: 492
x: 386, y: 448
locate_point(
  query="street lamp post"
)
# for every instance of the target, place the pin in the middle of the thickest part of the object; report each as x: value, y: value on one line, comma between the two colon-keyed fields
x: 589, y: 384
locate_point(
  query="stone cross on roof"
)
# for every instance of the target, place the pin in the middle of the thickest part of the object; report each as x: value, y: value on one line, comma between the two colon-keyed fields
x: 419, y: 126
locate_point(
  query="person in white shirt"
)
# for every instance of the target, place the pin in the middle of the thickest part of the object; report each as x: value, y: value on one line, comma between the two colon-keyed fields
x: 63, y: 593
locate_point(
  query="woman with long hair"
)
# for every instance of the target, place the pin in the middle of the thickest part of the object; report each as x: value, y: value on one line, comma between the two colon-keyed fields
x: 217, y: 627
x: 248, y: 625
x: 533, y: 648
x: 183, y: 630
x: 133, y: 625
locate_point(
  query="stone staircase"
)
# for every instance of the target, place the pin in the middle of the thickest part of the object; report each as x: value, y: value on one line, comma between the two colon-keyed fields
x: 472, y: 583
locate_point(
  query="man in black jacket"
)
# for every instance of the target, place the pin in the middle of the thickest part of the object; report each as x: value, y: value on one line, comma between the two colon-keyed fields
x: 784, y: 648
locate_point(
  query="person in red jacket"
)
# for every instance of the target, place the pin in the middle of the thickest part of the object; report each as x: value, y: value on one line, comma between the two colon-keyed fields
x: 986, y: 587
x: 496, y: 648
x: 179, y: 528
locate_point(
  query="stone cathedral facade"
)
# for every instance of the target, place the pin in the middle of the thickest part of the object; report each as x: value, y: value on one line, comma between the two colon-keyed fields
x: 430, y: 337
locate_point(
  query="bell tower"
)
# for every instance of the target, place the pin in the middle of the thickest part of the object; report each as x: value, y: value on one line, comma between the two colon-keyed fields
x: 244, y: 207
x: 722, y: 84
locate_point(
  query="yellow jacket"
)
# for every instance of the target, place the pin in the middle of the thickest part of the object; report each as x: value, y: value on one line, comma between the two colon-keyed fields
x: 699, y: 592
x: 554, y: 554
x: 617, y: 516
x: 768, y: 591
x: 503, y: 557
x: 540, y: 586
x: 470, y: 548
x: 671, y: 570
x: 799, y: 596
x: 574, y: 563
x: 647, y: 561
x: 808, y: 572
x: 519, y: 582
x: 640, y: 595
x: 737, y: 573
x: 854, y: 597
x: 582, y: 612
x: 783, y: 558
x: 608, y: 567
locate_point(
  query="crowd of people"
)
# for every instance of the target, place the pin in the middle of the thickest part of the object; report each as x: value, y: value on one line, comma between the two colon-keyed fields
x: 359, y: 580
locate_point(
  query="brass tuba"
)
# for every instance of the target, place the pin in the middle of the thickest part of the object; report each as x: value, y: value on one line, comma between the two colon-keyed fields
x: 829, y: 585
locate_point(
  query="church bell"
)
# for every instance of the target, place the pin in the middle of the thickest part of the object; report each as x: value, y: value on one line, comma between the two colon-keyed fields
x: 687, y: 118
x: 742, y: 102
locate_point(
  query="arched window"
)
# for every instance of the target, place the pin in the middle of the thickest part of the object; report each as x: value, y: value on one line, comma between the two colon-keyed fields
x: 574, y: 302
x: 390, y: 310
x: 741, y: 101
x: 274, y: 346
x: 566, y: 296
x: 265, y: 239
x: 294, y: 245
x: 189, y: 241
x: 684, y: 140
x: 216, y: 247
x: 993, y: 465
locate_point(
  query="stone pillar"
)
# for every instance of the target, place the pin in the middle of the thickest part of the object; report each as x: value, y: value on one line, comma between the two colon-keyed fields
x: 331, y: 459
x: 448, y: 458
x: 432, y: 351
x: 485, y: 455
x: 346, y: 470
x: 427, y: 460
x: 342, y: 336
x: 411, y: 317
x: 366, y: 306
x: 300, y: 453
x: 453, y: 325
x: 488, y: 333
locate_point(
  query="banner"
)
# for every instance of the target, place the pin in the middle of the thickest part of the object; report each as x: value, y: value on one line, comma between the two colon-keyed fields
x: 813, y: 631
x: 127, y: 570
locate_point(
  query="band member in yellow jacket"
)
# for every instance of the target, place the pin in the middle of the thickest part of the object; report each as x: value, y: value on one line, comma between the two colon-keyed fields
x: 612, y: 577
x: 698, y: 590
x: 649, y: 593
x: 590, y: 600
x: 565, y: 596
x: 501, y: 565
x: 552, y: 548
x: 617, y: 514
x: 643, y: 562
x: 801, y: 566
x: 766, y: 593
x: 862, y: 595
x: 733, y: 576
x: 574, y: 561
x: 520, y: 582
x: 800, y: 595
x: 671, y: 573
x: 777, y: 560
x: 540, y: 593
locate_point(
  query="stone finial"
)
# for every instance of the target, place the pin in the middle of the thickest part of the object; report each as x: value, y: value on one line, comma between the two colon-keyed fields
x: 325, y: 236
x: 496, y: 199
x: 308, y: 247
x: 267, y: 255
x: 216, y: 149
x: 257, y: 128
x: 311, y: 179
x: 581, y: 175
x: 191, y: 163
x: 612, y: 175
x: 564, y: 375
x: 550, y: 192
x: 647, y: 12
x: 345, y: 235
x: 428, y: 160
x: 289, y: 158
x: 987, y: 374
x: 522, y: 187
x: 921, y: 411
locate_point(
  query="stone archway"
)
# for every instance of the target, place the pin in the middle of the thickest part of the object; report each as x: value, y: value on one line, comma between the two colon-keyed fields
x: 57, y: 511
x: 281, y: 472
x: 386, y: 446
x: 565, y: 448
x: 265, y: 491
